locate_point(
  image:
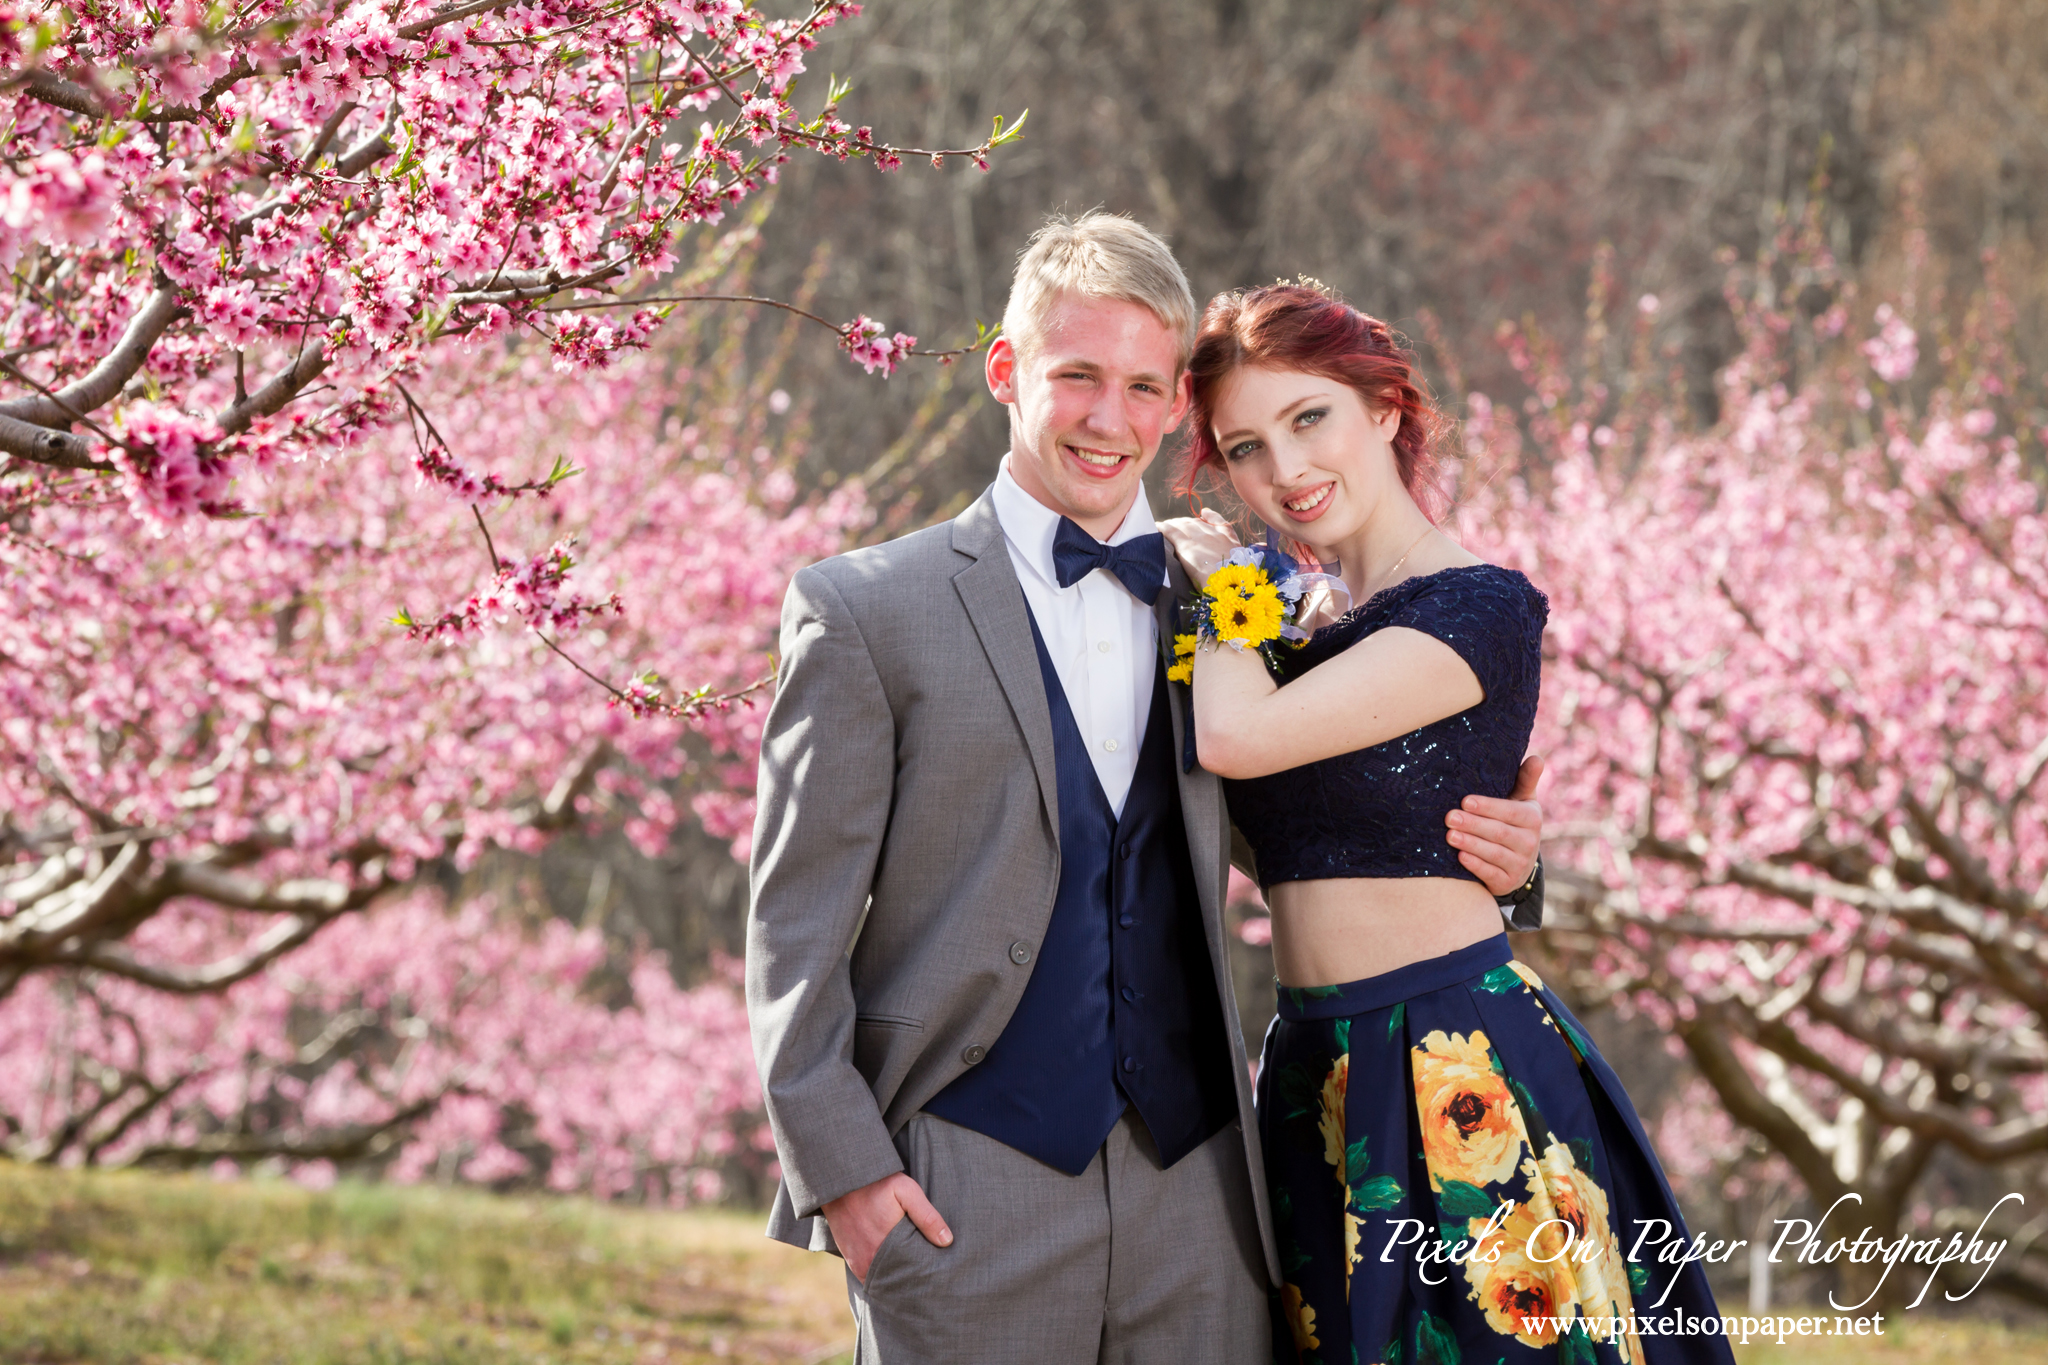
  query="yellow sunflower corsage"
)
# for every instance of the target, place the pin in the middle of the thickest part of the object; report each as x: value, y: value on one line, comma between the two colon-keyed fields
x: 1251, y: 600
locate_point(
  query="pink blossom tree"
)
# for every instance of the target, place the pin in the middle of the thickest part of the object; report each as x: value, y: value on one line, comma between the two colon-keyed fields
x: 222, y: 746
x: 1796, y: 710
x: 410, y: 1041
x: 341, y: 544
x: 232, y: 236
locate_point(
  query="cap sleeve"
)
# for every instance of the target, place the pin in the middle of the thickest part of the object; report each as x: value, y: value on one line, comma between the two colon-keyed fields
x: 1492, y: 617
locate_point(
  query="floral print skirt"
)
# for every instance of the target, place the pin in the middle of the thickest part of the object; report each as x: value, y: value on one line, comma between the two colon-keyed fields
x: 1457, y: 1178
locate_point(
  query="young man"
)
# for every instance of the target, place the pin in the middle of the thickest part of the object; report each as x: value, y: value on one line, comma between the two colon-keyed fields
x: 986, y: 965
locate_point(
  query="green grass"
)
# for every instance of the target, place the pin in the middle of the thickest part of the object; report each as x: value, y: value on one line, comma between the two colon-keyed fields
x: 139, y: 1269
x: 102, y: 1268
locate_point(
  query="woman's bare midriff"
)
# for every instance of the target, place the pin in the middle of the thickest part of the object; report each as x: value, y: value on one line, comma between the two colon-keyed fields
x: 1326, y: 933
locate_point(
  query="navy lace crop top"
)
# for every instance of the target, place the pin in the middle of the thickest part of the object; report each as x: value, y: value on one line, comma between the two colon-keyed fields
x: 1379, y: 812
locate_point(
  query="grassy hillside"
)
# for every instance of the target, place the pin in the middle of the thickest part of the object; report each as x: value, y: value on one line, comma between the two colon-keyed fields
x: 133, y: 1269
x: 153, y: 1269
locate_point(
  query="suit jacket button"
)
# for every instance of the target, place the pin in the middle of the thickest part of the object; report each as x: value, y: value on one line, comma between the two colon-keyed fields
x: 973, y: 1054
x: 1020, y: 953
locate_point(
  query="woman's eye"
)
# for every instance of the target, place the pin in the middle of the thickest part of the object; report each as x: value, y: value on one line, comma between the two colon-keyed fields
x: 1240, y: 450
x: 1311, y: 417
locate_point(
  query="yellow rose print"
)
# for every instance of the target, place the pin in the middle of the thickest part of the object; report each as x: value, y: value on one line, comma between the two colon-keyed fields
x: 1331, y: 1119
x: 1471, y: 1129
x: 1559, y: 1189
x: 1520, y: 1294
x: 1301, y: 1318
x: 1534, y: 982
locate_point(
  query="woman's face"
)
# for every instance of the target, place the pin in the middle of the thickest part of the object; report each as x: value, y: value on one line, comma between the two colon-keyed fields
x: 1305, y: 452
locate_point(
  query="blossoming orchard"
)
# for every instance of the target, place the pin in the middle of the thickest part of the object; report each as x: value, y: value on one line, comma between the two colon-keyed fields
x: 344, y: 538
x: 219, y: 744
x: 1796, y: 712
x: 389, y: 481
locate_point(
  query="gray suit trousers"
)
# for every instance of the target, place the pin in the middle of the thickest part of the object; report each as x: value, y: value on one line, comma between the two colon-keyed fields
x: 1124, y: 1263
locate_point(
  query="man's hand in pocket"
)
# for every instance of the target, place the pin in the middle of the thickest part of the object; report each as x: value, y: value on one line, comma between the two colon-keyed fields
x: 861, y: 1218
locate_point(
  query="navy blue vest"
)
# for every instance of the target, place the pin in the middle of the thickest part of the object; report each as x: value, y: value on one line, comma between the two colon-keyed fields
x: 1122, y: 1005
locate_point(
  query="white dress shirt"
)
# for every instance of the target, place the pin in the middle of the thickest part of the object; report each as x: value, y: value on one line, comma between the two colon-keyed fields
x: 1103, y: 641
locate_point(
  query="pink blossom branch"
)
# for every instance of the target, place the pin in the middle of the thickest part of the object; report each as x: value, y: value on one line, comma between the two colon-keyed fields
x: 843, y: 330
x: 53, y: 89
x: 273, y: 943
x: 40, y: 445
x: 286, y: 385
x: 352, y: 1143
x: 105, y: 379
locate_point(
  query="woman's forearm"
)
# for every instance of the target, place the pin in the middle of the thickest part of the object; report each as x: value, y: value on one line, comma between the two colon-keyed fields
x: 1233, y: 691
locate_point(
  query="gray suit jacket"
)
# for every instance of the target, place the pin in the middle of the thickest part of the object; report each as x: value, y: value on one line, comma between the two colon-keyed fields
x: 906, y: 838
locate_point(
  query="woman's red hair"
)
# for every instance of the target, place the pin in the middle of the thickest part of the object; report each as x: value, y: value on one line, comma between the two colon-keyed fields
x: 1303, y: 327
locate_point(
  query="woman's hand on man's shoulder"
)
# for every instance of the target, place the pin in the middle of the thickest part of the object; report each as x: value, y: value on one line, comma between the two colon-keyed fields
x: 1201, y: 542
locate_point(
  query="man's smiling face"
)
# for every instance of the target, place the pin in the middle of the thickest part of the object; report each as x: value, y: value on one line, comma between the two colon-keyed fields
x: 1089, y: 405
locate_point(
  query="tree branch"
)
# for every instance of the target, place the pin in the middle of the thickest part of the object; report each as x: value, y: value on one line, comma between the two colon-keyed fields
x: 288, y: 383
x: 2009, y: 1140
x: 53, y: 89
x: 1716, y: 1059
x: 279, y: 939
x: 104, y: 380
x: 341, y: 1144
x: 450, y: 15
x: 40, y: 445
x: 370, y: 150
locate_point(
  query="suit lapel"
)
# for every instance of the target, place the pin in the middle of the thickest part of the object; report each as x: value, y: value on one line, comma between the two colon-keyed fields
x: 1201, y: 795
x: 994, y: 601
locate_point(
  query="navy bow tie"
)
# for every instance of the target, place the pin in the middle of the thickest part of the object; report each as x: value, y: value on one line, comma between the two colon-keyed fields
x: 1139, y: 563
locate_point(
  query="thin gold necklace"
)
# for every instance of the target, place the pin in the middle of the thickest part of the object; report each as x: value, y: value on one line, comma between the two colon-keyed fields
x: 1402, y: 560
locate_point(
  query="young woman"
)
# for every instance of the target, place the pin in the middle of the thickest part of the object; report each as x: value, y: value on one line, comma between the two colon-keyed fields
x: 1455, y: 1172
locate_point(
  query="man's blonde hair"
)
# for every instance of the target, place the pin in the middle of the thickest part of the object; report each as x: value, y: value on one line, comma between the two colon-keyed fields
x: 1104, y: 256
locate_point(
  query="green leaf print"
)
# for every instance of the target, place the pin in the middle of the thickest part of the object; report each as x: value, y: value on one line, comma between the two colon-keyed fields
x: 1578, y: 1039
x: 1463, y: 1199
x: 1300, y: 1092
x: 1380, y: 1192
x: 1582, y: 1154
x: 1434, y: 1344
x: 1638, y: 1277
x: 1354, y: 1162
x: 1576, y: 1346
x: 1300, y: 995
x: 1532, y: 1117
x: 1393, y: 1355
x: 1501, y: 980
x: 1396, y: 1019
x: 1342, y: 1029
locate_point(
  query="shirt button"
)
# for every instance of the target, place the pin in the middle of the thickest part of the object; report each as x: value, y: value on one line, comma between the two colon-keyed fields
x: 1103, y: 646
x: 1020, y: 953
x: 1110, y: 745
x: 1130, y: 1064
x: 1129, y: 994
x: 973, y: 1055
x: 1123, y: 852
x: 1126, y: 920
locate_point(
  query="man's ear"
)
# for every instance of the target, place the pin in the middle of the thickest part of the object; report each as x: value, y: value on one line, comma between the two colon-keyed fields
x: 1001, y: 370
x: 1183, y: 397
